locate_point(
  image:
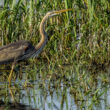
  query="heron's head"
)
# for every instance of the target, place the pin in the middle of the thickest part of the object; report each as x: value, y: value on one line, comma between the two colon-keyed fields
x: 53, y: 13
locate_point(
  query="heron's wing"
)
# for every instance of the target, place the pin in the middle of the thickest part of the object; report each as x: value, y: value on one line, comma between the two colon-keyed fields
x: 13, y: 51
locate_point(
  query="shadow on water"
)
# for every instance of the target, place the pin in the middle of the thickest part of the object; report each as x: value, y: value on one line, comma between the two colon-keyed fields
x: 60, y: 89
x: 14, y: 106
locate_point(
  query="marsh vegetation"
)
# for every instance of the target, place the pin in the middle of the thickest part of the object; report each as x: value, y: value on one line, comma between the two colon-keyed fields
x: 72, y: 72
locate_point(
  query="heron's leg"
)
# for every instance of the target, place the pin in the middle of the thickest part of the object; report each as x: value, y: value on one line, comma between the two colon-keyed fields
x: 12, y: 95
x: 11, y: 73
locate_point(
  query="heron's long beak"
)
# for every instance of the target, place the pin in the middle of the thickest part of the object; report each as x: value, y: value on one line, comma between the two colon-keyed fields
x: 61, y: 11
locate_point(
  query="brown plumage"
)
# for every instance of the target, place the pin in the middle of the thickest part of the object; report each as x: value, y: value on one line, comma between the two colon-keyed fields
x: 16, y: 51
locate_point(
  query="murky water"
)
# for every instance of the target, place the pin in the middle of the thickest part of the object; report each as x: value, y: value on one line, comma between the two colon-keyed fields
x: 43, y: 99
x: 58, y: 94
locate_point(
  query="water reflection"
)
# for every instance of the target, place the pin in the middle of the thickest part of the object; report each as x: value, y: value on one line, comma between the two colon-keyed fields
x: 14, y: 106
x: 71, y: 90
x: 44, y: 99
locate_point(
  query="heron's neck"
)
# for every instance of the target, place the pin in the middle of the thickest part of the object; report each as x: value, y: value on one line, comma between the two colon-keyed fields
x: 43, y: 34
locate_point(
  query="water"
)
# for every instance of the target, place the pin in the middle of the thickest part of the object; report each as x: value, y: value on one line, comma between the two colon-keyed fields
x: 43, y: 100
x: 1, y: 3
x: 56, y: 94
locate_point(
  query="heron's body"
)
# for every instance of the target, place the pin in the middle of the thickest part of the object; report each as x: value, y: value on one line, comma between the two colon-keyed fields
x: 24, y: 49
x: 16, y: 51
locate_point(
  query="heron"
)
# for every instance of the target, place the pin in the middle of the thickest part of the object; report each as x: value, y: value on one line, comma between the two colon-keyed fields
x: 23, y: 49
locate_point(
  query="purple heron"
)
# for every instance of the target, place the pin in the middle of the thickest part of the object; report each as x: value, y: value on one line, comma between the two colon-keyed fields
x: 22, y: 50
